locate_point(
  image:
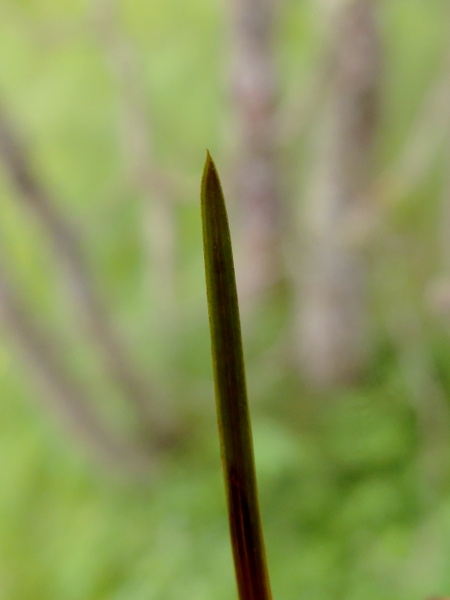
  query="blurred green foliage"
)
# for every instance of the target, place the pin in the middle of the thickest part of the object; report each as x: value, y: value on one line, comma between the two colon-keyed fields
x: 354, y: 492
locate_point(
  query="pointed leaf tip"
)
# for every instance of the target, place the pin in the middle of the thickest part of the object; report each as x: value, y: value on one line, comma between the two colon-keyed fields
x: 209, y: 173
x: 212, y: 200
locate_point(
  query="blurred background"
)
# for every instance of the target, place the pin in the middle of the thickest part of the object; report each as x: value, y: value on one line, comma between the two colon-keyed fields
x: 329, y: 121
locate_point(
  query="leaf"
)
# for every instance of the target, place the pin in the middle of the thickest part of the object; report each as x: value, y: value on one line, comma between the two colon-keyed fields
x: 231, y: 394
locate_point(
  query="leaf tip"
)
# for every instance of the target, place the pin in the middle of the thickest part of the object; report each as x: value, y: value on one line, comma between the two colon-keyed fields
x: 209, y: 164
x: 210, y: 179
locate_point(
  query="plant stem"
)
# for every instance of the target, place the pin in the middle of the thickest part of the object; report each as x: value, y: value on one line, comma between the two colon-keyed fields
x: 231, y: 394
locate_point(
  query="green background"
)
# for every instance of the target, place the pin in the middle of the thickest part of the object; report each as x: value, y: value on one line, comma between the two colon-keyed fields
x: 354, y: 484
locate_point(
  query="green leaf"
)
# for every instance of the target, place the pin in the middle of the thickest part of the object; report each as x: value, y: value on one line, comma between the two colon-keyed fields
x: 231, y: 394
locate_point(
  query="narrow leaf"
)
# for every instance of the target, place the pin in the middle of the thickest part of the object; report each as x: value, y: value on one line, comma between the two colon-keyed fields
x: 231, y: 394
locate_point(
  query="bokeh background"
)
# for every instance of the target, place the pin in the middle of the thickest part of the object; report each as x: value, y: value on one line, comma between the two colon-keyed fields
x: 329, y: 123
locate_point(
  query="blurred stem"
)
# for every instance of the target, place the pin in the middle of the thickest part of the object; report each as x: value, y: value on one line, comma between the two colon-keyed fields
x: 231, y: 394
x: 154, y: 427
x: 64, y: 396
x: 333, y: 320
x: 254, y: 91
x: 154, y: 186
x: 427, y: 135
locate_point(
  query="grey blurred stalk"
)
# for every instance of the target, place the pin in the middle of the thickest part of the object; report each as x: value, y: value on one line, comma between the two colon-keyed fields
x: 54, y: 387
x: 154, y: 429
x: 145, y: 177
x: 256, y: 175
x: 333, y: 328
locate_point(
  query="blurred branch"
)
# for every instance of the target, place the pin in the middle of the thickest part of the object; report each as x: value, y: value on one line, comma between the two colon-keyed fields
x: 333, y: 337
x: 427, y: 134
x: 254, y: 94
x: 425, y: 137
x: 63, y: 395
x: 306, y: 101
x: 146, y: 177
x: 72, y: 262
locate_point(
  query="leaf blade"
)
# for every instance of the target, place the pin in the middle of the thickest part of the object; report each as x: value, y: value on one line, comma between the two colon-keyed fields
x: 231, y: 394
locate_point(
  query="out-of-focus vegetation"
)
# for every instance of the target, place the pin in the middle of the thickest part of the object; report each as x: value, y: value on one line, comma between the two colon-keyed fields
x: 354, y: 482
